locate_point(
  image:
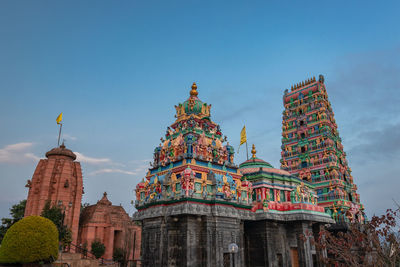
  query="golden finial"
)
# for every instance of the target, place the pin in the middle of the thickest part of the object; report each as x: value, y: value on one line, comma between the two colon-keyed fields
x: 291, y: 88
x: 194, y: 92
x: 254, y: 151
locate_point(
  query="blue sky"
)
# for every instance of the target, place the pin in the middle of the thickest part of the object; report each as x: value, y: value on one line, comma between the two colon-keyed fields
x: 117, y: 68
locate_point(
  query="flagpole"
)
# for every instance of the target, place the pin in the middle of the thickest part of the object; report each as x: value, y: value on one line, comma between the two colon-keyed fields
x: 59, y: 135
x: 247, y: 151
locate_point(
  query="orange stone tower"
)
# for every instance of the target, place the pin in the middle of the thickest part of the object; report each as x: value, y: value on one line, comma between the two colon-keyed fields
x: 57, y: 179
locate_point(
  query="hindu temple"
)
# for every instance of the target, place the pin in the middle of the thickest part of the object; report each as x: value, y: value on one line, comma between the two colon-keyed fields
x: 312, y: 150
x: 58, y: 180
x: 198, y: 208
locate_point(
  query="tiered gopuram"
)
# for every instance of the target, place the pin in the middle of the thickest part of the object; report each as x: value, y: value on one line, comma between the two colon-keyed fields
x: 195, y: 203
x: 312, y: 150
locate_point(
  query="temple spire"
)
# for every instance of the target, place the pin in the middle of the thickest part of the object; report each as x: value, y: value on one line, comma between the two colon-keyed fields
x: 194, y: 92
x: 253, y: 151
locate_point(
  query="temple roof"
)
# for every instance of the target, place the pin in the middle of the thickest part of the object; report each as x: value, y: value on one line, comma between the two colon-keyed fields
x: 104, y: 200
x: 192, y: 106
x: 61, y: 151
x: 255, y: 164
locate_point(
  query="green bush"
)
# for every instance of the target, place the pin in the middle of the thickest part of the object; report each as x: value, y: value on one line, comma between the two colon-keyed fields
x: 119, y: 255
x: 32, y: 239
x: 98, y: 249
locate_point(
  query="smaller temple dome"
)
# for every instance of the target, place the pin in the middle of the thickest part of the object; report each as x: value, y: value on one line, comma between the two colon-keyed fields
x: 61, y: 151
x: 255, y: 164
x: 104, y: 200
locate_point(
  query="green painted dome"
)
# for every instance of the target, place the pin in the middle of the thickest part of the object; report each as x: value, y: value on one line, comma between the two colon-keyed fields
x: 193, y: 105
x: 255, y: 163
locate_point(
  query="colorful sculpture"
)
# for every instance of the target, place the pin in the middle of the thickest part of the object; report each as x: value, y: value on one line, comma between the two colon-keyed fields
x: 312, y: 149
x: 193, y: 161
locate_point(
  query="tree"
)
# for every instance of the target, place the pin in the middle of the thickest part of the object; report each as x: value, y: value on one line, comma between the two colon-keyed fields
x: 374, y: 243
x: 119, y: 255
x: 56, y: 215
x: 33, y: 239
x: 98, y: 249
x: 17, y: 212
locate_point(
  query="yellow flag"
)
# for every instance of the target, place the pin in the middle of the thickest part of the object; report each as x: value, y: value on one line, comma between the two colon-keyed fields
x: 243, y: 137
x: 59, y: 118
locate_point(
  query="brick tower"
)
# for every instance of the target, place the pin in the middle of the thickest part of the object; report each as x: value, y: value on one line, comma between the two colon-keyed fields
x: 57, y: 179
x: 313, y: 150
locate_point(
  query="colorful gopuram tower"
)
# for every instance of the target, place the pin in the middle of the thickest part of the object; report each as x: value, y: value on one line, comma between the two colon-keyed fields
x: 197, y: 208
x: 312, y: 149
x: 57, y: 179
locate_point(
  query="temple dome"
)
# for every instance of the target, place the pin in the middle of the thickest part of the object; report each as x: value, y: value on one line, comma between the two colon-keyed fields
x: 254, y: 165
x: 61, y: 151
x: 193, y: 105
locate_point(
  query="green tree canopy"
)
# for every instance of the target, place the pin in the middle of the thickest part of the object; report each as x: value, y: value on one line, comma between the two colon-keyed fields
x: 98, y: 249
x: 32, y: 239
x: 56, y: 215
x: 17, y: 213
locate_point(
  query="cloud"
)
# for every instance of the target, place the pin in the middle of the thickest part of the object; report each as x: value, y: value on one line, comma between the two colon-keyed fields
x: 368, y: 81
x: 138, y: 170
x: 17, y: 153
x: 101, y: 171
x: 378, y: 145
x: 89, y: 160
x: 69, y: 137
x: 32, y: 156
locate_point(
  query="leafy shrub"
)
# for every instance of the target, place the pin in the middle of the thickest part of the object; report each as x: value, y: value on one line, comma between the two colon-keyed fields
x: 56, y: 215
x: 98, y: 249
x: 119, y: 255
x: 32, y: 239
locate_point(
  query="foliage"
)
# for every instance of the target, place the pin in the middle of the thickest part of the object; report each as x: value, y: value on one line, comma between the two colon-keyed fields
x: 32, y: 239
x: 56, y: 215
x: 375, y: 243
x: 98, y: 249
x: 83, y: 206
x: 17, y: 213
x: 84, y: 249
x: 119, y: 255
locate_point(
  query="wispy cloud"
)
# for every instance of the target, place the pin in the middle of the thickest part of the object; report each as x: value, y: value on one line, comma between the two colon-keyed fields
x: 69, y: 137
x: 110, y: 170
x: 140, y: 169
x: 90, y: 160
x: 17, y: 153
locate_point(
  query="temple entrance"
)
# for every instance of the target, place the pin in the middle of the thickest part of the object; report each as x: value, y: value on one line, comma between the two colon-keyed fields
x: 295, y: 257
x: 117, y: 239
x: 227, y: 260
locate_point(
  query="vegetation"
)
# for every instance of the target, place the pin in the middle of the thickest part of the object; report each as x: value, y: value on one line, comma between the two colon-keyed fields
x: 98, y: 249
x: 119, y: 255
x: 17, y: 213
x: 56, y: 215
x: 32, y: 239
x: 375, y: 243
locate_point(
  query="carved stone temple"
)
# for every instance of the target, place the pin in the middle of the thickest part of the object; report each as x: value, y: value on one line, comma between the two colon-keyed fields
x: 196, y: 205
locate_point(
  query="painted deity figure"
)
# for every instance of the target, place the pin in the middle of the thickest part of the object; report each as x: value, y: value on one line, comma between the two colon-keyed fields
x: 173, y: 184
x: 226, y: 189
x: 204, y: 187
x: 187, y: 182
x: 239, y: 190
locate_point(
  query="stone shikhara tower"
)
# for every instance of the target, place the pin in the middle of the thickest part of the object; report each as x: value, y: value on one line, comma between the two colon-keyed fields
x: 195, y: 204
x: 57, y: 179
x: 312, y: 149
